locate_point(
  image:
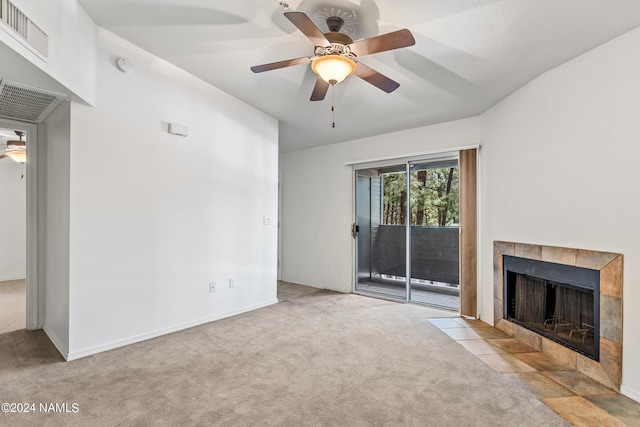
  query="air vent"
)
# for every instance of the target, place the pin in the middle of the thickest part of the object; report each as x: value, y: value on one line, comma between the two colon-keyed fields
x: 24, y: 27
x: 26, y: 103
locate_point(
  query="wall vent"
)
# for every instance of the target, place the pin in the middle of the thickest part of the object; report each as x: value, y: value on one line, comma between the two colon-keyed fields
x: 26, y: 103
x: 24, y: 27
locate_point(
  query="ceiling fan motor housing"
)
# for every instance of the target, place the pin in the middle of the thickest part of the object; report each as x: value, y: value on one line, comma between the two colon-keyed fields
x: 335, y: 23
x: 339, y: 46
x: 339, y: 38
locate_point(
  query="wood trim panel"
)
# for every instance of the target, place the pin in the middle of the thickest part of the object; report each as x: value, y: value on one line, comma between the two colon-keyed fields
x: 468, y: 170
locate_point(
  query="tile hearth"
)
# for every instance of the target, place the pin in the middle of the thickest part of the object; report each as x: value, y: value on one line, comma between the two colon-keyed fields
x: 574, y: 396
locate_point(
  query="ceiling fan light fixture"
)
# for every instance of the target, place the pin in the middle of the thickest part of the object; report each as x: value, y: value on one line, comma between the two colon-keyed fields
x: 333, y: 68
x: 19, y: 156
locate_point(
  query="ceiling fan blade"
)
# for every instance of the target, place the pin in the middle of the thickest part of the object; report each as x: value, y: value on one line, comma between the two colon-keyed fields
x: 319, y: 90
x: 3, y: 156
x: 16, y: 143
x: 281, y: 64
x: 308, y: 28
x: 380, y: 81
x: 384, y: 42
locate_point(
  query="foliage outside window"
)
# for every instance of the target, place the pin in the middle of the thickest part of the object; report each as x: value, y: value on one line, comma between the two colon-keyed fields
x: 434, y: 197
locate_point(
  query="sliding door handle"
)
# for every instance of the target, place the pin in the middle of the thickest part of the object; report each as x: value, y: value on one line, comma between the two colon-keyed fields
x: 354, y: 230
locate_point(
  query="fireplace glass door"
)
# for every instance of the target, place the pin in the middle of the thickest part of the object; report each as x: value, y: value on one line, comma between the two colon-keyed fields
x: 560, y: 302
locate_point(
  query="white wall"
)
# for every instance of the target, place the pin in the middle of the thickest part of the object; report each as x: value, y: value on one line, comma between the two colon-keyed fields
x: 566, y: 144
x: 317, y: 199
x: 13, y: 220
x: 560, y: 167
x: 71, y: 59
x: 155, y: 217
x: 53, y: 232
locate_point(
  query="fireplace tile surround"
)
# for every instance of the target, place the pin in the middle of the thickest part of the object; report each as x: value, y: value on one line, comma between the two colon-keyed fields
x: 608, y: 371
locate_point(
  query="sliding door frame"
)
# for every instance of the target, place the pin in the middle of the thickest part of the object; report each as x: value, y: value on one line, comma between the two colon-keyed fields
x: 356, y: 267
x: 472, y: 307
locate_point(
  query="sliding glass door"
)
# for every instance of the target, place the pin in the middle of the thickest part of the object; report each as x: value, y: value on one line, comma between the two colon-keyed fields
x: 407, y: 238
x: 381, y: 235
x: 435, y: 234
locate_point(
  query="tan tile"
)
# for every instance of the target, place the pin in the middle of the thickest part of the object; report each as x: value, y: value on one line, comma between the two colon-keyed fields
x: 505, y: 363
x: 539, y: 385
x: 578, y: 383
x: 506, y: 327
x: 621, y: 407
x: 528, y: 337
x: 498, y: 310
x: 480, y: 347
x: 611, y: 361
x: 525, y: 250
x: 472, y: 323
x: 593, y: 259
x: 498, y: 284
x: 609, y: 370
x: 559, y: 255
x: 497, y: 257
x: 446, y: 323
x: 611, y: 318
x: 559, y: 352
x: 611, y: 278
x: 462, y: 333
x: 580, y: 412
x: 491, y: 333
x: 542, y: 362
x: 511, y: 345
x: 482, y: 330
x: 505, y: 248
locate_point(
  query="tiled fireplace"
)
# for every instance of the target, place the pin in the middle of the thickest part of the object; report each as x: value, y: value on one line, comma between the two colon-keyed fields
x: 606, y: 365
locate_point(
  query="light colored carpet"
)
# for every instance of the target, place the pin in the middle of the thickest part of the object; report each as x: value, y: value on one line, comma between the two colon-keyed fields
x: 316, y: 358
x: 13, y: 306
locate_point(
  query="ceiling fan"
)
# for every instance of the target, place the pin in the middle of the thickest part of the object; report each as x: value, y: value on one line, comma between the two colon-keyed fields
x: 336, y: 54
x: 16, y: 149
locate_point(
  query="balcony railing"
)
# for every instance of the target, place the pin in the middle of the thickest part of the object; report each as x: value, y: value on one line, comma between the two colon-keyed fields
x: 435, y: 252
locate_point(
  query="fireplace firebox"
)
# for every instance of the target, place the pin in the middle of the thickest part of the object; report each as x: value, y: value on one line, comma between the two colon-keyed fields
x: 558, y: 301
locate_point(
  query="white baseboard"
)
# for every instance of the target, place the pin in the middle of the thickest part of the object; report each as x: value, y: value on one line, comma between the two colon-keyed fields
x: 630, y: 393
x: 62, y: 349
x: 343, y: 291
x: 8, y: 279
x: 77, y: 354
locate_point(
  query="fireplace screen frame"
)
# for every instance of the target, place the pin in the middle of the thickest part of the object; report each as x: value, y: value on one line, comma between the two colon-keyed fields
x: 571, y: 276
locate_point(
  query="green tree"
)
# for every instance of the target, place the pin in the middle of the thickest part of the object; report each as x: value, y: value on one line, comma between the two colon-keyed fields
x: 434, y: 197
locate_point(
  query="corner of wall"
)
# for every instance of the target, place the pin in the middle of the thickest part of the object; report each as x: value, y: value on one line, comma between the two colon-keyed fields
x: 57, y: 342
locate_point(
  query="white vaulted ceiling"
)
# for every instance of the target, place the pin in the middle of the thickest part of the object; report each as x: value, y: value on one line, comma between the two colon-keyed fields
x: 469, y: 54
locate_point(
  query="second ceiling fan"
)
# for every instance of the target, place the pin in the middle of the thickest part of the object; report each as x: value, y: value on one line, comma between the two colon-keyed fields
x: 16, y: 149
x: 335, y: 54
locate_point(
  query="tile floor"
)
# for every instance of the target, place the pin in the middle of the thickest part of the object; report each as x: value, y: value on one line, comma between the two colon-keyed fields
x: 574, y: 396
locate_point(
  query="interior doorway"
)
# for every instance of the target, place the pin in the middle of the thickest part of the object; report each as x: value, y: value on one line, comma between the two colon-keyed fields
x: 13, y: 224
x: 25, y: 173
x: 407, y: 232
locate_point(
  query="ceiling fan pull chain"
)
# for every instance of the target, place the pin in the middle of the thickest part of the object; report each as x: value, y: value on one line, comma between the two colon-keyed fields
x: 333, y: 97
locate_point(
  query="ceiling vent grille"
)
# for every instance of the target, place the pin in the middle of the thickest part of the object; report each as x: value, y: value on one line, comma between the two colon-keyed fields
x: 24, y: 27
x: 25, y: 103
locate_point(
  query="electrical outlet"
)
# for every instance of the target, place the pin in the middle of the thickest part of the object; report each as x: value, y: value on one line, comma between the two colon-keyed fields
x: 329, y: 266
x: 212, y: 287
x: 232, y: 283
